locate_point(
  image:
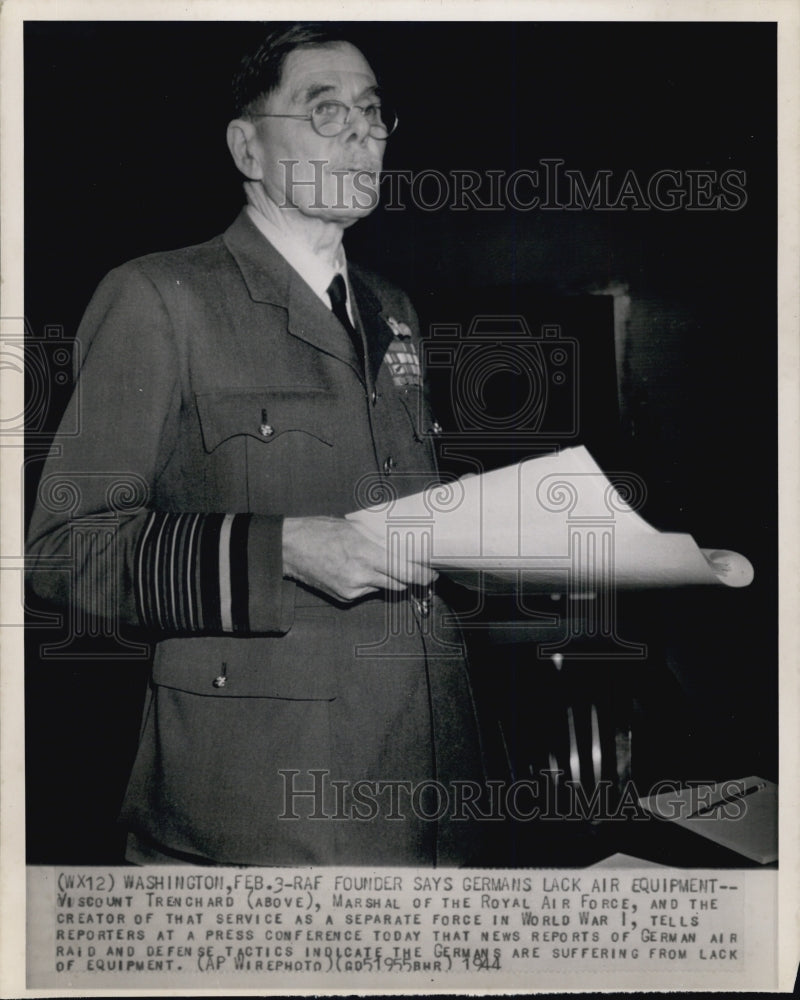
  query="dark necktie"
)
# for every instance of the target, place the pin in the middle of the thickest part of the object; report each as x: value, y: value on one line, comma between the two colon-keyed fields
x: 337, y: 292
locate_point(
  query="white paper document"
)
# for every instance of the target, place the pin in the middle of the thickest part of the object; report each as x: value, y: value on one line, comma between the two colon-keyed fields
x: 548, y: 524
x: 740, y: 814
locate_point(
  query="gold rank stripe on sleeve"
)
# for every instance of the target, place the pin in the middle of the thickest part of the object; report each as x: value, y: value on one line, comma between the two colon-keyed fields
x: 191, y: 573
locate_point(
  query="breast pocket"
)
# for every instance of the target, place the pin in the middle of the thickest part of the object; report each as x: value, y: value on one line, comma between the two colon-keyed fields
x: 270, y: 438
x: 264, y: 414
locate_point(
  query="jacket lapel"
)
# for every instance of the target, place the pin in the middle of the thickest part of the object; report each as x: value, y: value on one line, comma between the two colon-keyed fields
x: 378, y: 335
x: 269, y: 278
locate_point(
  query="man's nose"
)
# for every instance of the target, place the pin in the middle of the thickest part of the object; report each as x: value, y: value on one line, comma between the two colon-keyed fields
x: 357, y: 126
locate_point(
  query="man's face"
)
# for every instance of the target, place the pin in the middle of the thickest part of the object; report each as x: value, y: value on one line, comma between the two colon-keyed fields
x: 344, y: 186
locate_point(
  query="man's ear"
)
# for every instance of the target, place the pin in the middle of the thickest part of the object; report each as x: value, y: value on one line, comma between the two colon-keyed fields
x: 241, y: 143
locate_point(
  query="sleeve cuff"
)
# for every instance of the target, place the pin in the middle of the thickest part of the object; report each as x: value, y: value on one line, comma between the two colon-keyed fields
x: 213, y: 573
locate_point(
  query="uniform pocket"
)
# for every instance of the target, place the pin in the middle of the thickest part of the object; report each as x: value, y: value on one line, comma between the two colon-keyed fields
x: 296, y: 666
x: 265, y: 414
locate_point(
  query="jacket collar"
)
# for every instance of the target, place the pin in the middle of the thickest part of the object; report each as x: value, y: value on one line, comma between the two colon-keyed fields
x: 269, y: 278
x: 266, y: 273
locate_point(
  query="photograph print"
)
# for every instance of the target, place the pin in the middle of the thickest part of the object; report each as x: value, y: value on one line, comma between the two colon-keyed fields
x: 280, y: 274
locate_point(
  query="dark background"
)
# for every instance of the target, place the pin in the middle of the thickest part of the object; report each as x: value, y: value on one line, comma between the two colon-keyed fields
x: 125, y: 154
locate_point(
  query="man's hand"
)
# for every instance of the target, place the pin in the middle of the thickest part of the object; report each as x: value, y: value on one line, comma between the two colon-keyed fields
x: 331, y: 555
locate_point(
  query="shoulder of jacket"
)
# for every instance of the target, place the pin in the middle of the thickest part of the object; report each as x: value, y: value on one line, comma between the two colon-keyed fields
x: 169, y: 264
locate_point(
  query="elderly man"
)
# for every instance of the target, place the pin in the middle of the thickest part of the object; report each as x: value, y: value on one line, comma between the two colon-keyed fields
x: 308, y: 705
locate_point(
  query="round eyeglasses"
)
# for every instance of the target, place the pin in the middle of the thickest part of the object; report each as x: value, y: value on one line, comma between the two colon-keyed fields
x: 330, y: 118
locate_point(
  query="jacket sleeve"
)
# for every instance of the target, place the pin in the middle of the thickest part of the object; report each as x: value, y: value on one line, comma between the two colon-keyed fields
x: 95, y: 542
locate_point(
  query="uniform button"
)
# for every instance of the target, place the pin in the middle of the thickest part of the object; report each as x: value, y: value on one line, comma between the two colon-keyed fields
x: 220, y: 682
x: 266, y: 430
x: 389, y: 465
x: 374, y: 397
x: 437, y: 427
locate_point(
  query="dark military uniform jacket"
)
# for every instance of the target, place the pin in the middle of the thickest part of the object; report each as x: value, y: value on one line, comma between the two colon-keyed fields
x: 218, y: 395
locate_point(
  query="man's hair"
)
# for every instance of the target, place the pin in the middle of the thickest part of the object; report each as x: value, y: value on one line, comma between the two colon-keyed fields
x: 260, y: 71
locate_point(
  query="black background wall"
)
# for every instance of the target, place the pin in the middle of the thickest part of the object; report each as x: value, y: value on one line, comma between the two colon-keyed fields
x: 125, y: 154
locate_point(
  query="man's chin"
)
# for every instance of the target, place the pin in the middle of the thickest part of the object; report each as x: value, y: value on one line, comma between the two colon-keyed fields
x: 343, y: 217
x: 344, y: 206
x: 358, y: 195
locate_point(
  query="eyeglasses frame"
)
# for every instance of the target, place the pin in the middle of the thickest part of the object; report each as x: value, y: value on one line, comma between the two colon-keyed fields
x: 310, y: 118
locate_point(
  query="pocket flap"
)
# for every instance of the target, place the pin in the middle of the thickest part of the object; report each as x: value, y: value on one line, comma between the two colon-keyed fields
x: 263, y: 413
x: 223, y: 667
